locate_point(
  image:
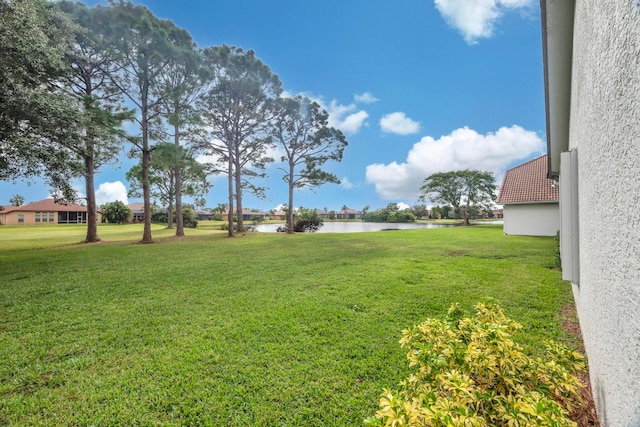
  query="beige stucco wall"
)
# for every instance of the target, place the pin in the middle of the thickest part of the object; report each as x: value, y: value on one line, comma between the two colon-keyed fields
x: 605, y: 129
x: 11, y: 218
x: 540, y: 219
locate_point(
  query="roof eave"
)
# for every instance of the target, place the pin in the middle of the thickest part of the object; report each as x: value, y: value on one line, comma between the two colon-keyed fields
x: 557, y: 51
x: 530, y: 202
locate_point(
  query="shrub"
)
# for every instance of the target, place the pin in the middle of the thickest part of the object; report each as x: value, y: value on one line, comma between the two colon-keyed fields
x: 557, y: 260
x: 188, y: 218
x: 389, y: 214
x: 304, y: 221
x: 115, y: 212
x: 469, y: 372
x: 217, y: 217
x: 225, y: 226
x: 160, y: 218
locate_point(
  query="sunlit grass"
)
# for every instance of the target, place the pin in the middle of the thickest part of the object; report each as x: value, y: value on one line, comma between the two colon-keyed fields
x: 262, y: 329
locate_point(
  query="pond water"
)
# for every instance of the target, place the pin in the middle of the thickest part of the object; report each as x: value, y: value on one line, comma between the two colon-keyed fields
x: 358, y: 227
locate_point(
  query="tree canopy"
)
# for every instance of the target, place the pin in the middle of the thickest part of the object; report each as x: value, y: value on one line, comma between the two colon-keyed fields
x: 237, y: 110
x: 460, y: 189
x: 143, y: 46
x: 115, y: 212
x: 301, y: 129
x: 99, y: 102
x: 34, y: 115
x: 166, y: 159
x: 391, y: 213
x: 16, y: 200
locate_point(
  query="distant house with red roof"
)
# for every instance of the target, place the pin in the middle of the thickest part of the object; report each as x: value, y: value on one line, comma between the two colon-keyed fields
x: 530, y: 200
x: 137, y: 211
x: 45, y: 211
x: 349, y: 214
x: 249, y: 214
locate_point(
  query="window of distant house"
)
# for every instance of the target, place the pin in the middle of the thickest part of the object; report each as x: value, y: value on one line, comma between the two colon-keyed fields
x: 51, y: 218
x: 44, y: 217
x: 21, y: 218
x: 38, y: 217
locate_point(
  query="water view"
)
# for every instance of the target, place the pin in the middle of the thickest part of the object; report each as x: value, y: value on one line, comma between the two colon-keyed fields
x: 357, y: 227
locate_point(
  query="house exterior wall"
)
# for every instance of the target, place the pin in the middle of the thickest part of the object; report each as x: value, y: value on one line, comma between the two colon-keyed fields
x: 29, y: 218
x: 531, y: 219
x: 605, y: 131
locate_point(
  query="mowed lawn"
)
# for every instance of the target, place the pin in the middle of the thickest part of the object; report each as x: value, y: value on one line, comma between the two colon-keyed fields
x: 259, y: 330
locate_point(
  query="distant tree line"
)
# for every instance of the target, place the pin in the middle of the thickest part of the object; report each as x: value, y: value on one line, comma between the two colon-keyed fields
x: 391, y: 213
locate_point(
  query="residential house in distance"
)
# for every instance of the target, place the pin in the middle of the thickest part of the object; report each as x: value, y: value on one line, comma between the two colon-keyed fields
x: 204, y: 214
x: 45, y: 211
x: 249, y: 214
x: 349, y: 214
x: 279, y: 215
x: 324, y: 213
x: 137, y: 209
x: 530, y: 199
x: 592, y: 95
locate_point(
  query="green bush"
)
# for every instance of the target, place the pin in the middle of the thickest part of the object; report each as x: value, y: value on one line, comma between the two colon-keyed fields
x: 304, y: 221
x: 557, y: 260
x: 225, y: 226
x: 160, y: 218
x: 188, y: 218
x: 307, y: 220
x: 389, y: 214
x: 116, y: 212
x: 469, y: 372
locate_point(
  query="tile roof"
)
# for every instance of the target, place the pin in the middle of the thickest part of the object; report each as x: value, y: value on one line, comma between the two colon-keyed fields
x: 528, y: 183
x: 136, y: 207
x: 46, y: 205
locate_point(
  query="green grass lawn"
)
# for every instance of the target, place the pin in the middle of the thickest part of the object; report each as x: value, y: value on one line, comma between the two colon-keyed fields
x: 259, y: 330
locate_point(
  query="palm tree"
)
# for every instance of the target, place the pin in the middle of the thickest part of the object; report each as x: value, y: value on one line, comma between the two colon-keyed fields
x: 16, y: 200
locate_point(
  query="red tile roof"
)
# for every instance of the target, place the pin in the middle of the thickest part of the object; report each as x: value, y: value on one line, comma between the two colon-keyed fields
x: 46, y: 205
x: 136, y: 207
x: 528, y: 183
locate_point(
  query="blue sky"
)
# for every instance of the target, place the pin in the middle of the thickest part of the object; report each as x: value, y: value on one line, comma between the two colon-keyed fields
x: 417, y: 87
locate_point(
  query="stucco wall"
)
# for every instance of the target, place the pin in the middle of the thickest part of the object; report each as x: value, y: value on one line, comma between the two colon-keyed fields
x: 605, y: 129
x: 11, y: 218
x: 541, y: 219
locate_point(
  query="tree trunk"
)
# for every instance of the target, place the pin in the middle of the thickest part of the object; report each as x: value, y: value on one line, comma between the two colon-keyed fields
x: 92, y: 224
x: 238, y: 177
x: 178, y: 174
x: 170, y: 214
x: 146, y: 159
x: 240, y: 223
x: 290, y: 210
x: 146, y: 194
x: 230, y: 182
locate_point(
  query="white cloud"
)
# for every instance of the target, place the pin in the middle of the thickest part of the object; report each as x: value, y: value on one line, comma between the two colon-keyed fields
x: 347, y: 118
x: 476, y: 19
x: 399, y: 124
x: 353, y: 122
x: 403, y: 206
x: 463, y: 148
x: 110, y: 192
x: 345, y: 183
x: 344, y: 117
x: 365, y: 98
